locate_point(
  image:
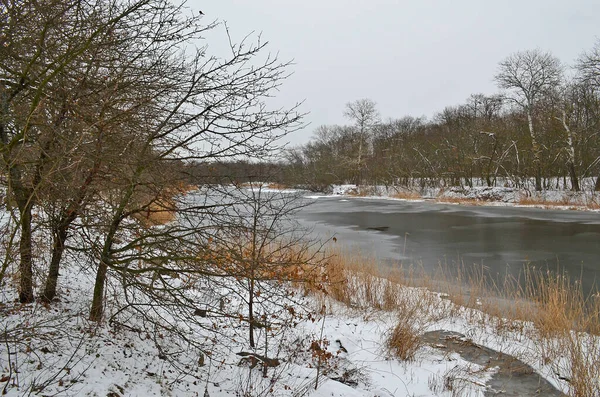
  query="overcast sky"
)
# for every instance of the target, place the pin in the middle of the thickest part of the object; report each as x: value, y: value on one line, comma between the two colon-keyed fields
x: 413, y: 57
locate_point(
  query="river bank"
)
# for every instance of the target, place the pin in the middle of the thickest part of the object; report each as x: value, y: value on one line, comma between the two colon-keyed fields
x: 363, y: 333
x: 584, y: 200
x: 547, y: 327
x: 502, y: 239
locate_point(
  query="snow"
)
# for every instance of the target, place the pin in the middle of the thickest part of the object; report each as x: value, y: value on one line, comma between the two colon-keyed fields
x: 55, y: 350
x: 560, y: 199
x: 75, y: 357
x: 384, y: 375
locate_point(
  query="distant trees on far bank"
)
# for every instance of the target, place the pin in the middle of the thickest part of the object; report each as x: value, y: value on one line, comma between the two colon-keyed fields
x: 544, y: 125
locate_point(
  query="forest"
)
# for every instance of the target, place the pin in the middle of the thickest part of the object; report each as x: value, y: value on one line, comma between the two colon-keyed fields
x: 541, y: 131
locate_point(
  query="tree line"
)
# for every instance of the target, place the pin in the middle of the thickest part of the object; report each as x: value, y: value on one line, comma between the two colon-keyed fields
x: 104, y: 107
x: 541, y: 131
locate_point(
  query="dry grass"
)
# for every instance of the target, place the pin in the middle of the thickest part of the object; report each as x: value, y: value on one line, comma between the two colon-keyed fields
x: 404, y: 341
x: 546, y: 307
x: 593, y: 202
x: 583, y: 364
x: 161, y: 209
x: 552, y: 302
x: 530, y: 200
x: 278, y: 186
x: 461, y: 201
x: 458, y: 381
x: 161, y: 212
x: 549, y: 309
x: 357, y: 281
x: 573, y: 203
x: 406, y: 195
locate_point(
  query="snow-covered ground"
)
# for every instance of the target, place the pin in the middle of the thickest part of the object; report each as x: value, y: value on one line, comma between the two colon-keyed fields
x: 54, y: 350
x: 481, y: 195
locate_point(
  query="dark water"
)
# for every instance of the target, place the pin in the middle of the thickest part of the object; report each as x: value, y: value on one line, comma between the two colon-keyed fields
x: 501, y: 239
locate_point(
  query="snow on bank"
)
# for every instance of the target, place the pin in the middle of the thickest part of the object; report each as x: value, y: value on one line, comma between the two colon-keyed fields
x: 56, y: 350
x: 480, y: 195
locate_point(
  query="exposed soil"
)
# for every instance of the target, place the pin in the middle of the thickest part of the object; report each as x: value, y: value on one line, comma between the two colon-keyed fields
x: 513, y: 378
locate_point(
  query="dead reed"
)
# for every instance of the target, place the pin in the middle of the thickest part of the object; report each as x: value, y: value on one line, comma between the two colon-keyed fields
x: 547, y: 307
x: 406, y: 195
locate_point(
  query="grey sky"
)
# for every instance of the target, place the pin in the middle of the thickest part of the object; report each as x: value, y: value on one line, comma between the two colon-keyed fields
x: 412, y: 57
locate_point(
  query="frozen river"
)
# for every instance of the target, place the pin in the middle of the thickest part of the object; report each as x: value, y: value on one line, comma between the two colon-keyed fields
x: 500, y: 238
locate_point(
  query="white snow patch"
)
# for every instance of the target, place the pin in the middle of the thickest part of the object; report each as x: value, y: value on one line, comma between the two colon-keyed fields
x: 87, y: 359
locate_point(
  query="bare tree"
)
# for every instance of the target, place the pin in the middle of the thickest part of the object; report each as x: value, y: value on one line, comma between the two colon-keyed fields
x: 542, y: 128
x: 588, y: 66
x: 44, y: 67
x: 529, y: 75
x: 193, y: 108
x: 569, y: 104
x: 588, y: 74
x: 266, y: 249
x: 364, y: 114
x: 102, y: 97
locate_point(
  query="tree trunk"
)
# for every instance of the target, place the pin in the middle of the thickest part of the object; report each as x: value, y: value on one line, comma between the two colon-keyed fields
x: 25, y: 264
x: 536, y: 153
x: 571, y: 153
x: 61, y: 232
x: 491, y: 161
x: 251, y: 312
x: 24, y: 200
x: 359, y: 163
x: 573, y: 175
x: 60, y: 235
x: 24, y: 196
x: 97, y: 308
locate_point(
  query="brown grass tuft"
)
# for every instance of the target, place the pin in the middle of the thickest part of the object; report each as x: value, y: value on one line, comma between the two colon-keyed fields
x: 573, y: 203
x: 406, y: 195
x: 548, y: 308
x: 159, y: 212
x: 461, y: 201
x: 530, y: 200
x: 404, y: 341
x: 278, y: 186
x: 162, y: 207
